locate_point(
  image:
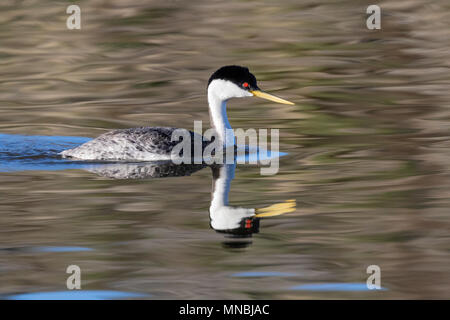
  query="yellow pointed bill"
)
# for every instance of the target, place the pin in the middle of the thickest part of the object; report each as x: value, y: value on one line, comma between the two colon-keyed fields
x: 276, y: 209
x: 270, y: 97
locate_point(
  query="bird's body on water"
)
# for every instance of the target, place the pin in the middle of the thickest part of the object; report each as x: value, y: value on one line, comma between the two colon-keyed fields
x: 157, y: 143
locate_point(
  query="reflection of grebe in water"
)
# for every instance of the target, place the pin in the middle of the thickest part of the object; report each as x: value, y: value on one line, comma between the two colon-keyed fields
x: 144, y: 170
x: 155, y: 143
x: 236, y: 222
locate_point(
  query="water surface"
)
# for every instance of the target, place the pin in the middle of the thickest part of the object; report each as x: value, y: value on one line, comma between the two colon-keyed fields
x: 367, y: 148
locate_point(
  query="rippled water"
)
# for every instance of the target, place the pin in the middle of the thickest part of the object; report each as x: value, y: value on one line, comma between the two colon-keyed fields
x: 367, y: 142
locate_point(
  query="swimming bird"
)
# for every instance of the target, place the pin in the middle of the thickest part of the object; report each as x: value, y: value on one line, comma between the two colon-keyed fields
x: 155, y: 143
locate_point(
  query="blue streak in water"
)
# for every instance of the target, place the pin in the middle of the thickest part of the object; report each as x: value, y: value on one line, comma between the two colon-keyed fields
x: 333, y: 287
x: 77, y: 295
x: 22, y: 152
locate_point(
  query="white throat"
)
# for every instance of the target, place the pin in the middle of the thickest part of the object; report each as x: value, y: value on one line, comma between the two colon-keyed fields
x: 219, y: 91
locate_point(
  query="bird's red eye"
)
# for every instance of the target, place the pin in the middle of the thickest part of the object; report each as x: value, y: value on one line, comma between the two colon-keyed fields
x: 245, y: 84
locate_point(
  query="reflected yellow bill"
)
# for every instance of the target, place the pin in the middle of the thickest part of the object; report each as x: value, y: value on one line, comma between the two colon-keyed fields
x: 270, y: 97
x: 276, y: 209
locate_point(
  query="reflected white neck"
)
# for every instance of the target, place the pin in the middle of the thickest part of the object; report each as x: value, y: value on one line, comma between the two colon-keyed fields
x: 221, y: 186
x: 223, y: 216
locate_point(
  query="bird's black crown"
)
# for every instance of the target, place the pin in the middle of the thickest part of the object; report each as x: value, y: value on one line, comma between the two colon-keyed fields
x: 240, y: 76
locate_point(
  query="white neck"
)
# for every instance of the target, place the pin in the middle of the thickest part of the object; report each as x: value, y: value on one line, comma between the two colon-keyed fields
x: 219, y: 119
x: 219, y: 91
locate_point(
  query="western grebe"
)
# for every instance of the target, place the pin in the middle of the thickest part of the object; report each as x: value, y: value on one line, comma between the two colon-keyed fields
x: 155, y: 143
